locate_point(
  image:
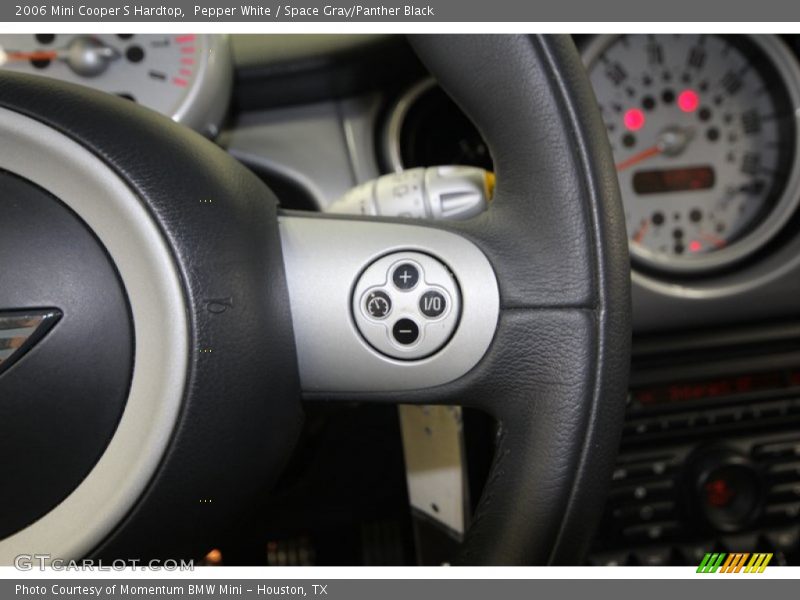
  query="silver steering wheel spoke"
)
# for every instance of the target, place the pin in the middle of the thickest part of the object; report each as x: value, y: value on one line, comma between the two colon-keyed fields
x: 383, y: 307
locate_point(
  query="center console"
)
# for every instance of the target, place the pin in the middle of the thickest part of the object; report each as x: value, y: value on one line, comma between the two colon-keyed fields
x: 710, y: 452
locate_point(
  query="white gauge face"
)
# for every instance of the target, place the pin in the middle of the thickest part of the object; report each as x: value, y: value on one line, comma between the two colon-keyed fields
x: 703, y: 132
x: 160, y: 71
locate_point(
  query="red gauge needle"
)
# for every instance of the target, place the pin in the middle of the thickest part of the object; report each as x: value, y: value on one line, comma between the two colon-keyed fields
x: 640, y: 233
x: 672, y: 141
x: 640, y: 156
x: 36, y: 55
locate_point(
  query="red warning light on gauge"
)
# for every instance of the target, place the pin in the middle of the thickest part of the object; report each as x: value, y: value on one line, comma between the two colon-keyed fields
x: 634, y: 119
x: 688, y: 101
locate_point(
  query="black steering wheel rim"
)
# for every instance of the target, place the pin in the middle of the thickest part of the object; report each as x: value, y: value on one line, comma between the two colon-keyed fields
x: 555, y: 375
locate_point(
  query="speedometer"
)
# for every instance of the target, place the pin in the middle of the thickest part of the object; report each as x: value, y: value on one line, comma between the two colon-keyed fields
x: 704, y: 135
x: 185, y: 76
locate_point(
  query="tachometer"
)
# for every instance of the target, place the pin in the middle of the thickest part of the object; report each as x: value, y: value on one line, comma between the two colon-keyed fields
x: 185, y: 76
x: 704, y: 134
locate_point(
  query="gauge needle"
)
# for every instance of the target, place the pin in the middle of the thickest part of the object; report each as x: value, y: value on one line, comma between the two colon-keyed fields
x: 12, y: 56
x: 640, y: 233
x: 86, y: 56
x: 672, y: 141
x: 640, y: 156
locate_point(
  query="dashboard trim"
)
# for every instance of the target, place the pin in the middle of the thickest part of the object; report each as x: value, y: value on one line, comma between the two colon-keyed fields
x: 394, y: 125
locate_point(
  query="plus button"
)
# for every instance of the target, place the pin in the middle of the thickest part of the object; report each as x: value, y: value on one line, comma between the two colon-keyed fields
x: 405, y: 276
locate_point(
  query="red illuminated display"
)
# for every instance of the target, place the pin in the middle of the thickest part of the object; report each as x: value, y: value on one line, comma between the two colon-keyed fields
x: 662, y: 181
x: 716, y: 388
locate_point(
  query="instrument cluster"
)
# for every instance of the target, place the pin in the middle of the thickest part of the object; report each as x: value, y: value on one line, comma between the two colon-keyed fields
x: 704, y: 133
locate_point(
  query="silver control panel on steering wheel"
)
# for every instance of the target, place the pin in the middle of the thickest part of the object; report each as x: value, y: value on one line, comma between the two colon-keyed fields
x: 385, y: 306
x: 406, y: 305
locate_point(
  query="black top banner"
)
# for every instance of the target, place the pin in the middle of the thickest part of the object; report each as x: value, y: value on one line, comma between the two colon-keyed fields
x: 402, y: 11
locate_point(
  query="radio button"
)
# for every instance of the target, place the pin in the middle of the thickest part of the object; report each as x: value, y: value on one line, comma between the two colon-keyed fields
x: 659, y: 556
x: 786, y: 540
x: 645, y: 491
x: 727, y: 488
x: 787, y: 492
x: 694, y: 553
x: 652, y: 532
x: 776, y: 450
x: 780, y: 513
x: 636, y: 513
x: 784, y: 472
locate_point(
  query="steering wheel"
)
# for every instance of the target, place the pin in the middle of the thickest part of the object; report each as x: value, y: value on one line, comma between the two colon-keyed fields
x: 168, y: 318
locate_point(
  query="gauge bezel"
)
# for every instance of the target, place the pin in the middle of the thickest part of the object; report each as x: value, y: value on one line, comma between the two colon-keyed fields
x: 206, y: 103
x: 392, y: 150
x: 787, y: 68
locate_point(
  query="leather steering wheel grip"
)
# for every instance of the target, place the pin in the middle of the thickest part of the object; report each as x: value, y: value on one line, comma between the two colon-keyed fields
x: 556, y: 375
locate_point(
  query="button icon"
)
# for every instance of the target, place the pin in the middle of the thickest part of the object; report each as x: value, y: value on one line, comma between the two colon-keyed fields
x: 432, y: 304
x: 405, y: 276
x: 378, y: 304
x: 405, y: 331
